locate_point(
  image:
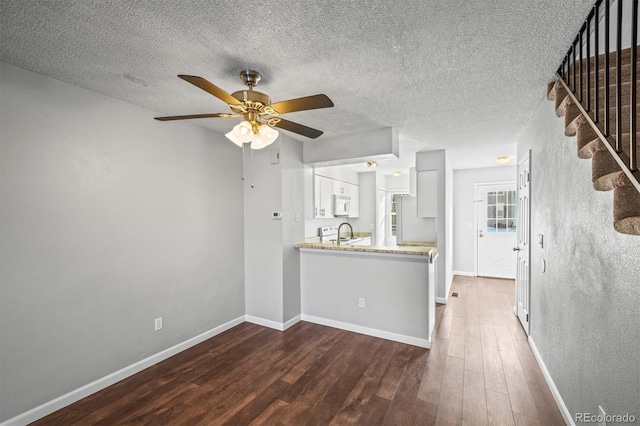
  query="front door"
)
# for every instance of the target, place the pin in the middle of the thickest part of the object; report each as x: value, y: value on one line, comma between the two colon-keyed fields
x: 523, y: 248
x: 496, y: 206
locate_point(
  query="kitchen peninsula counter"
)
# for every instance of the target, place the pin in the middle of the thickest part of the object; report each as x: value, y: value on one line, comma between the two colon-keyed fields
x: 408, y: 250
x: 386, y: 292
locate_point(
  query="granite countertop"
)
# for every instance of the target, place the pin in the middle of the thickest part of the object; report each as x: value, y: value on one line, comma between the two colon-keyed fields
x: 420, y: 251
x: 418, y: 244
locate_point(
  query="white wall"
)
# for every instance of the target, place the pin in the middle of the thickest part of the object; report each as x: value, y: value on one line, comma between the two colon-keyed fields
x: 293, y: 223
x: 437, y: 160
x: 108, y: 219
x: 584, y: 314
x: 449, y: 222
x: 464, y: 207
x: 272, y: 264
x: 397, y: 183
x: 263, y: 242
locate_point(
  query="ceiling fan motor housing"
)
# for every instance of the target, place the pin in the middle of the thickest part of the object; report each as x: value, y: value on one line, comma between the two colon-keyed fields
x: 250, y: 77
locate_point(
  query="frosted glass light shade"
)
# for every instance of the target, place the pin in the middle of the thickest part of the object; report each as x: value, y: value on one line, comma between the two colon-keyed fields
x: 232, y: 137
x: 245, y: 131
x: 241, y: 133
x: 258, y: 142
x: 268, y: 133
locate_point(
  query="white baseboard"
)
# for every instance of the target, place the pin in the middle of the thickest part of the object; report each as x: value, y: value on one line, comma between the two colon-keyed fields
x: 271, y: 324
x: 441, y: 300
x: 554, y: 390
x: 93, y: 387
x: 292, y: 321
x: 465, y: 273
x: 264, y: 322
x: 423, y: 343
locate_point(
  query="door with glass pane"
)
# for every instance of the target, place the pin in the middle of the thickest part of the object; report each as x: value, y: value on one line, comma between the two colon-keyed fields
x: 497, y: 213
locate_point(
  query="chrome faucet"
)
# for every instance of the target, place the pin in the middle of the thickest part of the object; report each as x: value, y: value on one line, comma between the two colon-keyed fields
x: 339, y: 227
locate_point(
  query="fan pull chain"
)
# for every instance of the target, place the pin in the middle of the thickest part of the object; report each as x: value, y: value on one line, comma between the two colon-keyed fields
x: 243, y: 178
x: 250, y: 166
x: 252, y: 186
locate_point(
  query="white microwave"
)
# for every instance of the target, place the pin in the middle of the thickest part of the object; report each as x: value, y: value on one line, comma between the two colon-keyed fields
x: 341, y: 205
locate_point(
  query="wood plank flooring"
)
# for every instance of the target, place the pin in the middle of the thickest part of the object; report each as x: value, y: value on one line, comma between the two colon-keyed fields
x: 479, y: 371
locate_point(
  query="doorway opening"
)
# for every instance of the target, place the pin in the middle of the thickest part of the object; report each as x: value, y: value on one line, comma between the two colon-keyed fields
x: 392, y: 222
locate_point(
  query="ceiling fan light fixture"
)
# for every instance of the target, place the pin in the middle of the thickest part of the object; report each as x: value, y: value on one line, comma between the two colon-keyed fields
x: 233, y: 137
x: 241, y: 133
x: 268, y: 133
x: 258, y: 142
x: 244, y: 129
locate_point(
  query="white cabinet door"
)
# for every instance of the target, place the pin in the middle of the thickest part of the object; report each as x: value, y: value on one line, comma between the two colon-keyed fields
x: 316, y: 197
x: 326, y: 194
x: 427, y: 188
x: 354, y: 193
x: 340, y: 188
x: 323, y: 192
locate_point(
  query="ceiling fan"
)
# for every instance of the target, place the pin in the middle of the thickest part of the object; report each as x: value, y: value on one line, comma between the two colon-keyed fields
x: 258, y: 113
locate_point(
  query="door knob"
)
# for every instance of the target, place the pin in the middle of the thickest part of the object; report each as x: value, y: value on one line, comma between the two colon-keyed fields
x: 480, y: 235
x: 516, y: 249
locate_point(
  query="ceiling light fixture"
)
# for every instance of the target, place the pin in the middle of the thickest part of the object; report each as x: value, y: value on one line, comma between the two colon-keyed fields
x: 397, y: 174
x: 503, y: 159
x: 371, y: 164
x: 259, y: 134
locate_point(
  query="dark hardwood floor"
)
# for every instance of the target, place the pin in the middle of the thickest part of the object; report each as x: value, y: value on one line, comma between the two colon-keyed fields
x: 480, y: 370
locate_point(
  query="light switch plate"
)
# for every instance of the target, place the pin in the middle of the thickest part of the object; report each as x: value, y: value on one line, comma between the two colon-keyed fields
x: 275, y: 155
x: 277, y: 215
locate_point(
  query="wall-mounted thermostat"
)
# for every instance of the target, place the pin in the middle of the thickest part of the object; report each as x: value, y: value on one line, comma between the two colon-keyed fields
x: 277, y: 215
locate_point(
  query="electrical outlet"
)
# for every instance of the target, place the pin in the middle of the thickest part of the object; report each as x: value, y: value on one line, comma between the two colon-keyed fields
x: 158, y: 324
x: 361, y: 302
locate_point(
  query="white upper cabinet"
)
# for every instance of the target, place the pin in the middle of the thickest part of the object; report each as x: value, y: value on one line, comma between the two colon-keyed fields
x: 427, y: 189
x: 354, y: 193
x: 323, y: 191
x: 325, y: 188
x: 349, y: 190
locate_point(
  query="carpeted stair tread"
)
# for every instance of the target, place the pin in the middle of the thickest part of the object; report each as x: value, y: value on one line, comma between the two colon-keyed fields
x: 626, y: 206
x: 604, y: 168
x: 585, y: 137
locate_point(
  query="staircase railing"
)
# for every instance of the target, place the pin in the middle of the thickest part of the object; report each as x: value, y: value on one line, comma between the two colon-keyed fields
x: 579, y: 85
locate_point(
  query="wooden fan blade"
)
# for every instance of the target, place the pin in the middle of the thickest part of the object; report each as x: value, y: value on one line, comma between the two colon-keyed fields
x: 297, y: 128
x: 187, y: 117
x: 302, y: 104
x: 210, y: 88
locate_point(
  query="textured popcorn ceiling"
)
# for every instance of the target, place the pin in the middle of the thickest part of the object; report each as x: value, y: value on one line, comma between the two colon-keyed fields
x: 462, y: 75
